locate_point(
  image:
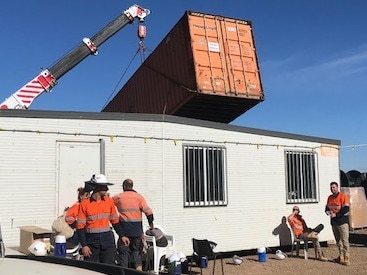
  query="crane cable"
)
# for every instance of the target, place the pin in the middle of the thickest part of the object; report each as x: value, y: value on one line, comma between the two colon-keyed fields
x: 141, y: 49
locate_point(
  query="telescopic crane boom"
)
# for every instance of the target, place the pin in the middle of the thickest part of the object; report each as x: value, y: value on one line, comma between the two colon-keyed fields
x: 48, y: 78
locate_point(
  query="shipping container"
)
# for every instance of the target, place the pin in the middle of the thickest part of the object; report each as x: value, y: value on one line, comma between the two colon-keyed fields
x: 205, y: 68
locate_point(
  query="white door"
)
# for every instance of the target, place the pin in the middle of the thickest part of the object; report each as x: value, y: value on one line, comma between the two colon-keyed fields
x: 77, y: 162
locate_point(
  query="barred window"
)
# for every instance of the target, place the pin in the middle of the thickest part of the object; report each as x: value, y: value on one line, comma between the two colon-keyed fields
x: 205, y: 179
x: 301, y: 176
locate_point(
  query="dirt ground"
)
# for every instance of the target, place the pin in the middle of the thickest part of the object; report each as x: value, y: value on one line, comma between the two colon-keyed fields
x: 294, y: 265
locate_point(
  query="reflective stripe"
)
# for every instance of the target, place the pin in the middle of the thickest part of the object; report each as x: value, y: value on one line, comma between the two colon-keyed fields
x: 129, y: 220
x: 98, y: 230
x: 82, y: 220
x: 98, y: 217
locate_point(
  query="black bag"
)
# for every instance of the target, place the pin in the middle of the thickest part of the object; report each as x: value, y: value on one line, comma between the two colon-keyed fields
x: 162, y: 242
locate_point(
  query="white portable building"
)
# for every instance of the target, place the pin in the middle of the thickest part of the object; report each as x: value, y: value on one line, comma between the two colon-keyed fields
x: 230, y: 184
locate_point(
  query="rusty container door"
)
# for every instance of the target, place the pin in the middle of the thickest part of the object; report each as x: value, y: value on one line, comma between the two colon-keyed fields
x: 224, y: 56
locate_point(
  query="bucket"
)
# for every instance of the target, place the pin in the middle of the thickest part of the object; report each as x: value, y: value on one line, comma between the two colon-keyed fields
x: 174, y: 268
x: 261, y: 252
x: 185, y: 266
x: 60, y: 246
x: 204, y: 262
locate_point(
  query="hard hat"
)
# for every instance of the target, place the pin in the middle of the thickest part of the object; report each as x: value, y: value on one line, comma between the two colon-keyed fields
x: 280, y: 255
x: 98, y: 179
x: 237, y: 260
x: 38, y: 248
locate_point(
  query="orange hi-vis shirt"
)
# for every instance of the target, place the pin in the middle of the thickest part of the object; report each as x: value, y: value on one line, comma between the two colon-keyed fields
x: 297, y: 223
x: 130, y: 206
x: 336, y: 204
x: 96, y: 216
x: 72, y: 213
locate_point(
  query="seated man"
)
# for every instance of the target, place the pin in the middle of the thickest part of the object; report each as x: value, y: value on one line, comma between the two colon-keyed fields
x: 302, y: 231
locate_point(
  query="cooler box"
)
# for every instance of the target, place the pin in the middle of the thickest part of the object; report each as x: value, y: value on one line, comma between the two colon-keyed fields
x: 28, y: 234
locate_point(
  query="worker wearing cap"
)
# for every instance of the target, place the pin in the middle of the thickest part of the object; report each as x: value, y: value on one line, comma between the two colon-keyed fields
x: 302, y: 231
x: 95, y: 216
x: 130, y: 206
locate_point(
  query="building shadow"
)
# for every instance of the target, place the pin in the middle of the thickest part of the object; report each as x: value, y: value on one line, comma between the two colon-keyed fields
x: 284, y: 233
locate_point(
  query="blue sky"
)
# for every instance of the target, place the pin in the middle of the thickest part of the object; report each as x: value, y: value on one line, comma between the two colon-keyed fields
x: 312, y: 56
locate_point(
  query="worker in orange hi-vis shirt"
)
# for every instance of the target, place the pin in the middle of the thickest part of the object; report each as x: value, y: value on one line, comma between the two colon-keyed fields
x: 95, y: 216
x: 130, y: 205
x: 337, y: 207
x: 71, y: 214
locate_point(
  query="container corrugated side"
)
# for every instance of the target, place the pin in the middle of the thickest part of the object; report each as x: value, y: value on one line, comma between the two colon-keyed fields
x: 205, y: 68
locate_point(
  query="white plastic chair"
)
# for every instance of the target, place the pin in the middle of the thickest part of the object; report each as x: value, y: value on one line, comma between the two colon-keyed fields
x: 159, y: 252
x: 296, y: 243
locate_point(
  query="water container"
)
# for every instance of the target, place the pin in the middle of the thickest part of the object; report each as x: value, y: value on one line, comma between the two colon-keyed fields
x: 174, y: 268
x: 204, y: 262
x: 60, y: 246
x: 261, y: 252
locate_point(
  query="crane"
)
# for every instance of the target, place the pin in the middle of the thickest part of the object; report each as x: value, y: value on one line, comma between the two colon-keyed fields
x: 47, y: 78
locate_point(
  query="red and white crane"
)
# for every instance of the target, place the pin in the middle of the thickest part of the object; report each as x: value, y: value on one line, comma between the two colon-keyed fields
x: 48, y: 78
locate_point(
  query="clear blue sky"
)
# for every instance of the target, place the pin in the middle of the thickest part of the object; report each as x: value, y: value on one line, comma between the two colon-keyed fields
x: 312, y: 56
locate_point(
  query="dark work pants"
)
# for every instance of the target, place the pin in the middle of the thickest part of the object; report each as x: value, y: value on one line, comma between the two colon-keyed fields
x: 134, y: 249
x: 103, y: 248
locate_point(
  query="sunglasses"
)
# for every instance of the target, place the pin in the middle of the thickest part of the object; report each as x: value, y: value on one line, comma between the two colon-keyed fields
x: 295, y: 209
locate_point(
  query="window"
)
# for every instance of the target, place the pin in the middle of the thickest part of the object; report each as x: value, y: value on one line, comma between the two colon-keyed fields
x: 301, y: 176
x: 205, y: 176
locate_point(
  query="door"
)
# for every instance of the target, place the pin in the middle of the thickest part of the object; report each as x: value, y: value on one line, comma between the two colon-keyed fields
x: 77, y: 162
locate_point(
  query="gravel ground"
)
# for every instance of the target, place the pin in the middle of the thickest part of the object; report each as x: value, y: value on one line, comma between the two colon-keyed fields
x: 294, y: 265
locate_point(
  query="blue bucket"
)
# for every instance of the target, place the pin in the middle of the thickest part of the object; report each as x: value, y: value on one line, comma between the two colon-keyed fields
x: 204, y: 262
x: 261, y: 252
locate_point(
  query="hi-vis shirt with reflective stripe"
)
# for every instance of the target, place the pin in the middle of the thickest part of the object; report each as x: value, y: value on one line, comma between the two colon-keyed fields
x: 72, y: 213
x: 130, y: 206
x: 96, y: 216
x: 336, y: 203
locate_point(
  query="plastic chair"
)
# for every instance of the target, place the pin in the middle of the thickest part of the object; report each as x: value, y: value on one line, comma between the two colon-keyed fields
x: 297, y: 242
x: 159, y: 252
x: 204, y: 248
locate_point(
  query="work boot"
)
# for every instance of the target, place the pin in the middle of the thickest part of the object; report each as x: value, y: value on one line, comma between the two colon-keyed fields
x: 346, y: 261
x: 339, y: 260
x: 139, y: 268
x: 320, y: 256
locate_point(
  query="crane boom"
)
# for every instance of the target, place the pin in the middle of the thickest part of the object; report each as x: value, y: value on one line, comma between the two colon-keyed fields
x: 48, y: 78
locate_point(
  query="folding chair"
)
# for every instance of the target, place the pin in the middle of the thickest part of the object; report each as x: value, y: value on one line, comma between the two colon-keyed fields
x: 204, y: 248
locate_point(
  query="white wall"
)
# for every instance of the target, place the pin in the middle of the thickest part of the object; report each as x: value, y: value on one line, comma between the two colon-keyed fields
x: 150, y: 152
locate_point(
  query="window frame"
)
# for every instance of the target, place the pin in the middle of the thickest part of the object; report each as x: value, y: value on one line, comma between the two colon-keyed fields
x: 205, y: 181
x: 301, y: 176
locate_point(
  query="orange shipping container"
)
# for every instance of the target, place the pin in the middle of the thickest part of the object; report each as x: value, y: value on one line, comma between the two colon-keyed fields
x: 205, y: 68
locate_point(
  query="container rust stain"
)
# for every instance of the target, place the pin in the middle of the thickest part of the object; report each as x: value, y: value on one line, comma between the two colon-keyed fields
x: 205, y: 68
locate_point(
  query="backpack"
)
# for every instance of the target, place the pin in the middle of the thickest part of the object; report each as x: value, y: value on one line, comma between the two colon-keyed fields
x: 61, y: 227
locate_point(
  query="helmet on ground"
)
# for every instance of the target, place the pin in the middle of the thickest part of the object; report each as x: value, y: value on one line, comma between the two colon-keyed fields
x: 237, y: 260
x: 280, y: 255
x: 38, y: 248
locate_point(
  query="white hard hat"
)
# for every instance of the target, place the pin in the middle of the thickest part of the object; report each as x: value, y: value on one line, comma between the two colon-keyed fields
x: 99, y: 179
x: 38, y: 248
x: 237, y: 260
x: 280, y: 255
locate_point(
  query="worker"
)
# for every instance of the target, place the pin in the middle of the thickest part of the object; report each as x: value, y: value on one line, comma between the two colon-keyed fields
x: 337, y: 208
x: 71, y: 214
x: 302, y: 231
x: 95, y: 216
x: 130, y: 205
